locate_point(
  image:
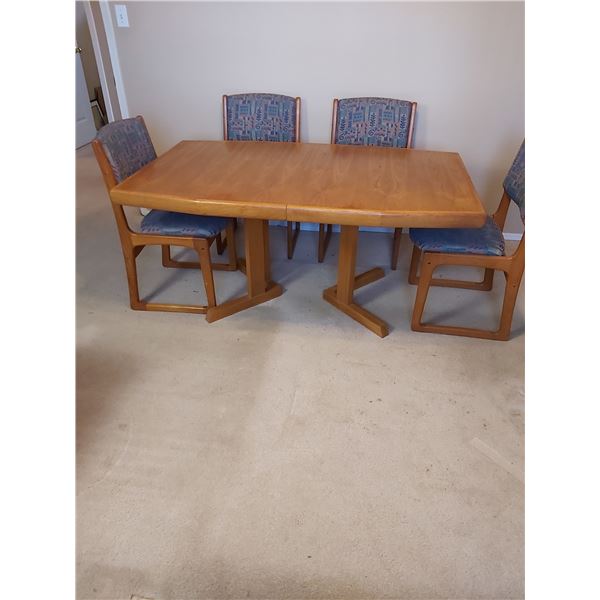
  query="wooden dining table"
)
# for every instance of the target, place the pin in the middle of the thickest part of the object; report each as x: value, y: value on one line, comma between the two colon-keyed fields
x: 323, y: 183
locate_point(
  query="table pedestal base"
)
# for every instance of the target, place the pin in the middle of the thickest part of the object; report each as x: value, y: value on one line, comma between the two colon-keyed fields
x: 242, y: 303
x: 341, y: 295
x: 257, y: 267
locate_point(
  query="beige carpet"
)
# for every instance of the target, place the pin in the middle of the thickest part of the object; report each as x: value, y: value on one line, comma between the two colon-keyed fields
x: 287, y: 452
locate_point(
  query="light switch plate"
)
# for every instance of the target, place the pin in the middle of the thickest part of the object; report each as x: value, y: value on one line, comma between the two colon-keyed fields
x: 121, y: 15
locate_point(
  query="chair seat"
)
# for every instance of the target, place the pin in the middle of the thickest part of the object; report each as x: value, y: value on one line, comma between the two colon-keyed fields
x: 484, y: 240
x: 163, y: 222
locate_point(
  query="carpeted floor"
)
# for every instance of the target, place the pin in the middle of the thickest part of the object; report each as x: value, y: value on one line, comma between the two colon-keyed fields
x: 287, y: 452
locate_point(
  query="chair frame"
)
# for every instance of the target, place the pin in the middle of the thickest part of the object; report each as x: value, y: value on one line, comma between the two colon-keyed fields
x: 513, y: 267
x: 325, y: 235
x: 292, y: 231
x: 133, y: 242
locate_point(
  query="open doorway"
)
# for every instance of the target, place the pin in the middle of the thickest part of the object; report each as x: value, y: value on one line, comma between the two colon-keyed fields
x: 90, y: 106
x: 97, y: 100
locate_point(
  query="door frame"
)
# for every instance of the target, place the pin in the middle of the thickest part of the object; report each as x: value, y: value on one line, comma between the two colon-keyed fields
x: 107, y: 59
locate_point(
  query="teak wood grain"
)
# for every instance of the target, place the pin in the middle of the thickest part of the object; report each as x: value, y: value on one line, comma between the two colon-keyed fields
x: 324, y: 183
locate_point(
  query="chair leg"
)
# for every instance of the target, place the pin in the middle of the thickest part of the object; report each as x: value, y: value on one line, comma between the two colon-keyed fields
x: 321, y: 248
x: 426, y: 280
x: 323, y: 240
x: 221, y: 245
x: 203, y: 250
x: 427, y: 269
x: 396, y: 247
x: 488, y: 280
x: 132, y: 281
x: 166, y: 255
x: 292, y: 237
x: 267, y: 250
x: 200, y: 245
x: 167, y: 260
x: 230, y: 240
x: 414, y: 266
x: 513, y: 282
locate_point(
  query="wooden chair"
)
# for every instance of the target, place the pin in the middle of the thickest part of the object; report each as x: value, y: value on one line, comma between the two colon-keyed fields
x: 482, y: 247
x: 264, y: 117
x: 370, y: 122
x: 122, y: 148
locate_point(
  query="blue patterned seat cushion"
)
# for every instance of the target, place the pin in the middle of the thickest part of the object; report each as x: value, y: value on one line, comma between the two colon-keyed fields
x: 484, y: 240
x: 514, y: 182
x: 127, y: 145
x: 179, y: 224
x: 261, y: 117
x: 373, y: 122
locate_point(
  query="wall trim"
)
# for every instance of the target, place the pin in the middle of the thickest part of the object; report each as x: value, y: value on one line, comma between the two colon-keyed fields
x: 114, y: 57
x: 99, y: 62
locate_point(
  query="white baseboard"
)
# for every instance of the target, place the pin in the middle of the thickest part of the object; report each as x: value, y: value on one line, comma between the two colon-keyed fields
x: 336, y: 228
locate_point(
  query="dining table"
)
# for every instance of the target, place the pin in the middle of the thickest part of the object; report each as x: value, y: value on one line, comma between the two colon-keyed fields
x: 346, y: 185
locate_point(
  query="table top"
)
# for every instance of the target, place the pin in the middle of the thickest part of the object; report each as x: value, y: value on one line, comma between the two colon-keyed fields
x: 324, y: 183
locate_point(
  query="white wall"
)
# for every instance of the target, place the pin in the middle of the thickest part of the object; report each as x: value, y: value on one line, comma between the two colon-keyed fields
x: 462, y: 62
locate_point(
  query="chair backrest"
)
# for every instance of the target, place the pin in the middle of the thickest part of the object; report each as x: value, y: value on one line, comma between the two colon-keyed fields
x: 514, y: 182
x: 261, y: 117
x: 373, y: 122
x: 127, y: 146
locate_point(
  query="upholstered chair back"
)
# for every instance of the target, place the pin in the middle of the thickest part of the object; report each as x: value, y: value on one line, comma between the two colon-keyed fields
x: 514, y: 182
x: 373, y: 122
x: 261, y: 117
x: 127, y: 146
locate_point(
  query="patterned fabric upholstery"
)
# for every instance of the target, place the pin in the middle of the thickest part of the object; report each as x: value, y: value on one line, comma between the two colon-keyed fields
x: 261, y: 117
x: 484, y: 240
x: 180, y: 224
x: 514, y: 183
x: 373, y: 122
x: 127, y: 145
